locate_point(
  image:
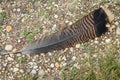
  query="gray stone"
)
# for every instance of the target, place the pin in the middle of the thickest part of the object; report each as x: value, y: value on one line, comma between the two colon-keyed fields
x: 33, y: 71
x: 41, y: 72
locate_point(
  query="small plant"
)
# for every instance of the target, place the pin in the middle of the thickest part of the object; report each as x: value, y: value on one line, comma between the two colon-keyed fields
x: 117, y: 2
x: 2, y: 16
x: 72, y: 6
x: 105, y: 68
x: 29, y: 34
x: 28, y: 77
x: 0, y: 30
x: 50, y: 4
x: 44, y: 14
x: 103, y: 1
x: 73, y: 74
x: 22, y: 59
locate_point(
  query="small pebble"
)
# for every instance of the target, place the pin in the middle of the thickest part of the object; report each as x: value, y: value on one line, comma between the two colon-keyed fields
x: 54, y: 27
x: 77, y: 46
x: 15, y: 69
x: 35, y: 67
x: 117, y: 23
x: 107, y: 40
x: 18, y: 55
x: 14, y: 50
x: 28, y: 70
x: 71, y: 49
x: 52, y: 65
x: 66, y: 21
x: 21, y: 71
x: 30, y: 63
x: 8, y: 47
x: 19, y: 41
x: 1, y: 10
x: 17, y: 65
x: 4, y: 64
x: 57, y: 64
x: 75, y: 65
x: 70, y: 23
x: 64, y: 64
x: 18, y: 9
x: 9, y: 28
x: 10, y: 59
x: 118, y: 31
x: 41, y: 72
x: 94, y: 55
x: 55, y: 16
x: 33, y: 71
x: 3, y: 52
x: 96, y: 42
x: 14, y: 10
x: 49, y: 53
x: 64, y: 58
x: 73, y: 58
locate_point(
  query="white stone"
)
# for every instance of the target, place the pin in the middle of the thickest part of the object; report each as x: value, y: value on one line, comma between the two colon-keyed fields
x: 66, y: 21
x: 64, y: 58
x: 10, y: 59
x: 19, y: 41
x: 18, y: 9
x: 4, y: 64
x: 118, y: 31
x: 21, y: 71
x: 75, y: 65
x: 30, y: 63
x: 49, y: 53
x: 52, y: 65
x: 64, y: 64
x: 73, y: 58
x: 35, y: 67
x: 117, y: 23
x: 54, y: 27
x: 8, y: 47
x: 11, y: 69
x: 71, y: 49
x: 55, y: 16
x: 107, y: 40
x: 94, y: 55
x: 96, y: 42
x: 33, y: 71
x: 18, y: 55
x: 14, y: 10
x: 70, y: 23
x: 15, y: 69
x: 17, y: 65
x: 77, y: 46
x: 1, y: 10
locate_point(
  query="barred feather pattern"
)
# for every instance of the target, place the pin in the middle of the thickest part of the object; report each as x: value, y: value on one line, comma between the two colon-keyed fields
x: 90, y: 26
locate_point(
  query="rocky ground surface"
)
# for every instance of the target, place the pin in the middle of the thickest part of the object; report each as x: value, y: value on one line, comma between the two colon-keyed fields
x: 22, y: 21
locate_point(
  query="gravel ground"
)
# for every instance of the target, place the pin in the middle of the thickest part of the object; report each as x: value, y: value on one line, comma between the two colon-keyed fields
x: 44, y: 17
